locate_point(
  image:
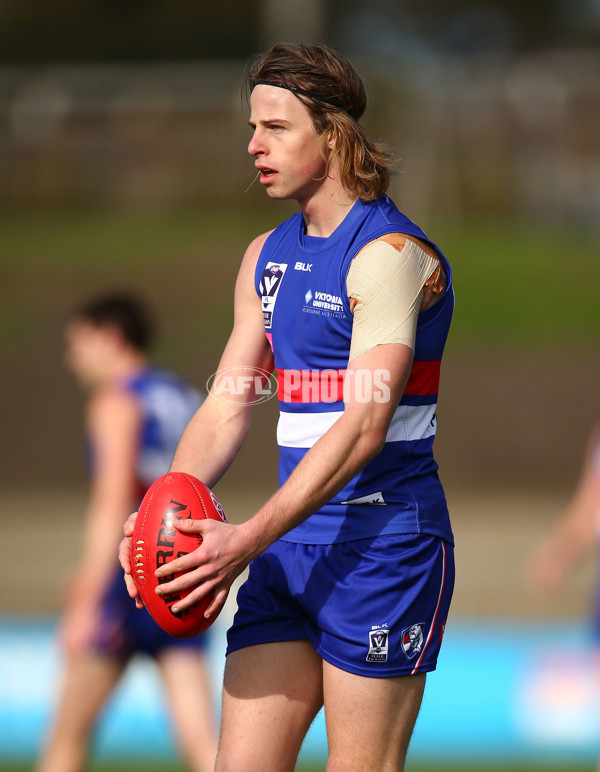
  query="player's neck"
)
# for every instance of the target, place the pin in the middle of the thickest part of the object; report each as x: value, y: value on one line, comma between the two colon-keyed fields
x: 326, y: 209
x: 129, y: 364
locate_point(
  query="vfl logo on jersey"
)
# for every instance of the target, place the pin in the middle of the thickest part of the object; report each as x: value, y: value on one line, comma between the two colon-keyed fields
x: 412, y: 640
x: 378, y: 645
x: 269, y: 287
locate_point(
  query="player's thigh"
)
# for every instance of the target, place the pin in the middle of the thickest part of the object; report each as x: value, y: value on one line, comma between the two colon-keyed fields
x: 88, y: 680
x: 369, y: 720
x: 271, y: 694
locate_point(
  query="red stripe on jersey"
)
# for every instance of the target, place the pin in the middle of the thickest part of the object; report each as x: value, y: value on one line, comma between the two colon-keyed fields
x: 424, y: 378
x: 311, y: 385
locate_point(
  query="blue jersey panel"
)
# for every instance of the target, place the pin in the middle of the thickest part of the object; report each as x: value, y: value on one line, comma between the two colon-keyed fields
x: 167, y: 403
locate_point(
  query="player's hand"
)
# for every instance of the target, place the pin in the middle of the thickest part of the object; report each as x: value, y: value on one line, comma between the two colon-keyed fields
x: 212, y: 567
x: 125, y: 559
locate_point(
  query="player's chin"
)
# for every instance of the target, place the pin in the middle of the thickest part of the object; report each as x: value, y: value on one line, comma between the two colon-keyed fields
x: 278, y: 193
x: 272, y: 191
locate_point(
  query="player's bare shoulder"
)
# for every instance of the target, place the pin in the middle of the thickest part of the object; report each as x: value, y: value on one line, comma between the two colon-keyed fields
x: 254, y: 249
x: 246, y: 299
x: 111, y: 400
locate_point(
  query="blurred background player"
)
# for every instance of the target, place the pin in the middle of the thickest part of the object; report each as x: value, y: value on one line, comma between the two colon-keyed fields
x: 574, y: 537
x: 135, y: 415
x: 577, y: 531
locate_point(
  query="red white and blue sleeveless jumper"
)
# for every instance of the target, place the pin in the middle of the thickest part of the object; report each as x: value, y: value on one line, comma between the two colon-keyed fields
x: 302, y: 285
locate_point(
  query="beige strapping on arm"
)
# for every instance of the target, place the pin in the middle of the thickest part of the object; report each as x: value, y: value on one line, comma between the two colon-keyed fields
x: 386, y: 286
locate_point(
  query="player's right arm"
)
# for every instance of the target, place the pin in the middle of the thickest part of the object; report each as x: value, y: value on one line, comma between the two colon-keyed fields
x: 215, y: 434
x: 217, y: 431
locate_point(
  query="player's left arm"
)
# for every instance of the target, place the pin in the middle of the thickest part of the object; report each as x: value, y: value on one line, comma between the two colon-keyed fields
x: 113, y: 421
x: 339, y: 455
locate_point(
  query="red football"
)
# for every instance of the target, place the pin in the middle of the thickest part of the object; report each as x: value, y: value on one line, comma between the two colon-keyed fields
x: 155, y: 541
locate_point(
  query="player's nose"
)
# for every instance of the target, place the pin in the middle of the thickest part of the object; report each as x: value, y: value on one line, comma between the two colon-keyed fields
x: 256, y: 145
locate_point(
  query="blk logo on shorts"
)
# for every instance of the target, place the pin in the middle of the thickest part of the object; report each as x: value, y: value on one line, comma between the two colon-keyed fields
x: 378, y: 646
x: 412, y: 640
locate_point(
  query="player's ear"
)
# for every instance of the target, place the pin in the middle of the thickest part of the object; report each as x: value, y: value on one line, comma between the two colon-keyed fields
x: 113, y: 332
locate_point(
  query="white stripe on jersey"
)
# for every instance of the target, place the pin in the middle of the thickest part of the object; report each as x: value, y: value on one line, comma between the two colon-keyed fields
x: 302, y: 430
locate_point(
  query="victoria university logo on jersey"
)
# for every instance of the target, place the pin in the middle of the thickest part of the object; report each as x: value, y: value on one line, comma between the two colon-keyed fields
x: 269, y: 287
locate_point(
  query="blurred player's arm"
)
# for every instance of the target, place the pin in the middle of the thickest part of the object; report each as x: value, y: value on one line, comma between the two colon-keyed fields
x: 217, y: 431
x: 576, y: 533
x: 113, y: 422
x: 215, y: 434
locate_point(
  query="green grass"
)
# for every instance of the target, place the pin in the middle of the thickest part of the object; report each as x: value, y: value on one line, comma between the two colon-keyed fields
x: 517, y: 284
x: 523, y: 284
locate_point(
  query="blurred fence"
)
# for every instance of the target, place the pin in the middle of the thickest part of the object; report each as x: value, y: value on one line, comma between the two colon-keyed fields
x: 477, y: 135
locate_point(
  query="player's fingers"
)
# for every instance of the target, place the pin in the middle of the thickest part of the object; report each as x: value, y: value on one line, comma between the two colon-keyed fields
x: 192, y: 598
x: 189, y: 525
x: 125, y: 555
x: 130, y: 585
x: 189, y: 580
x: 129, y: 523
x: 217, y: 604
x: 185, y: 563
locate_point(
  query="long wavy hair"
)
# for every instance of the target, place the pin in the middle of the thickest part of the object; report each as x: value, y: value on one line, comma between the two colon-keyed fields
x: 327, y: 84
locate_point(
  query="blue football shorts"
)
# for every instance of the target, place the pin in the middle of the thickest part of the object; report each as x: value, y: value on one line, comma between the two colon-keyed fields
x: 125, y: 630
x: 374, y: 607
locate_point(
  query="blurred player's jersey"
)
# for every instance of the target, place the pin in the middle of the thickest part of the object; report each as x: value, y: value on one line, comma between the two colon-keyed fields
x: 301, y: 281
x: 167, y: 404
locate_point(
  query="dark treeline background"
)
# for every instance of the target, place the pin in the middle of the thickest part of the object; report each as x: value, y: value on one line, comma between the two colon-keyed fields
x: 68, y: 31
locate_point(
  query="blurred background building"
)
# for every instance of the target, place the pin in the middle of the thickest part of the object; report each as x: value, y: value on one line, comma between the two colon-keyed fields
x: 138, y: 103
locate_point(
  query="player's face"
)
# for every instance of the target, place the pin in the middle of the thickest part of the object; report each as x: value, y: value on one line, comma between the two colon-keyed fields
x: 284, y: 144
x: 89, y: 351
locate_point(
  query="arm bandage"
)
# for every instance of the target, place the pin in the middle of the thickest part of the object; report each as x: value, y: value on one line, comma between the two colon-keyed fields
x: 385, y: 287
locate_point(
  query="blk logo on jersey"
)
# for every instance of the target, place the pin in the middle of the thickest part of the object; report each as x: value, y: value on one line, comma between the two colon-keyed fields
x: 269, y: 287
x: 378, y: 645
x: 412, y: 640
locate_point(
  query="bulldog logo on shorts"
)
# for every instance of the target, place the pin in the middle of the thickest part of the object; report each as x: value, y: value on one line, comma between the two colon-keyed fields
x: 412, y: 640
x: 378, y: 645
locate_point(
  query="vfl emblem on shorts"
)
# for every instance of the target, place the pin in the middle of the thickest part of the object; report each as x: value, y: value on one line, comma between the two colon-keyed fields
x: 378, y: 646
x: 412, y: 640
